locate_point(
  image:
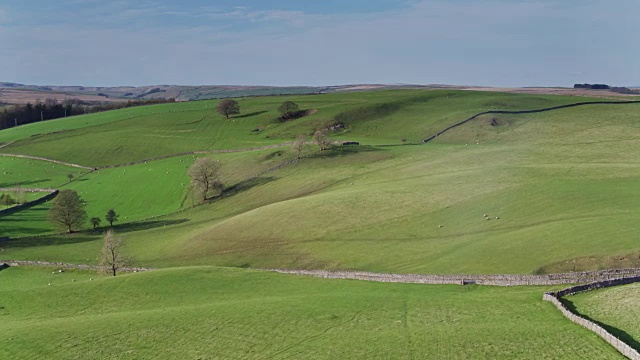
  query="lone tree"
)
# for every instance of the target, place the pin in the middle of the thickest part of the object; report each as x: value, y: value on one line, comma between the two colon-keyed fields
x: 111, y: 255
x: 321, y: 137
x: 288, y: 110
x: 68, y: 210
x: 111, y: 217
x: 204, y: 178
x: 7, y: 200
x: 228, y: 107
x: 70, y: 177
x: 298, y: 145
x: 95, y: 221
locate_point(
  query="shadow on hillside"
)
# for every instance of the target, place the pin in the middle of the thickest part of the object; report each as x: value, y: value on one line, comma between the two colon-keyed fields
x: 146, y: 225
x: 250, y: 114
x: 82, y: 236
x: 344, y: 150
x: 620, y: 334
x: 23, y: 183
x: 48, y: 240
x: 248, y: 184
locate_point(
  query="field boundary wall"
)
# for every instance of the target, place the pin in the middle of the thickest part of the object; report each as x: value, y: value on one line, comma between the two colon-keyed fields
x: 494, y: 279
x: 556, y: 296
x: 526, y: 112
x: 51, y: 194
x: 61, y: 265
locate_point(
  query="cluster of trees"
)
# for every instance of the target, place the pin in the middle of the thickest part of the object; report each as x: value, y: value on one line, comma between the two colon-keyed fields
x: 591, y: 86
x: 51, y: 109
x: 19, y: 197
x: 68, y: 212
x: 288, y: 110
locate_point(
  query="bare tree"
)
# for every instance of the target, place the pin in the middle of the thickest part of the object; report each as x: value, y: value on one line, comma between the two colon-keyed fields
x: 204, y: 178
x: 228, y: 107
x: 298, y: 145
x: 321, y: 137
x: 68, y: 210
x: 111, y: 253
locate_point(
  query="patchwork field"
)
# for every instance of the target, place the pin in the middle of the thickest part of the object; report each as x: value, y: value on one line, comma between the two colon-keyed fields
x: 208, y: 313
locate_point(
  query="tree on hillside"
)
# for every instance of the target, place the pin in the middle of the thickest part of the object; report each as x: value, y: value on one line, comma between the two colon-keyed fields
x: 228, y: 107
x: 68, y: 210
x: 95, y: 221
x: 288, y: 109
x: 7, y: 200
x: 204, y: 178
x: 321, y: 137
x: 70, y: 177
x: 111, y: 253
x: 298, y: 145
x: 111, y: 217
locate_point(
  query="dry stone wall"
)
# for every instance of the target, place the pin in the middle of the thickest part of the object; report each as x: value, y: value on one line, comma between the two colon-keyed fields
x: 51, y: 194
x: 495, y: 280
x: 554, y: 298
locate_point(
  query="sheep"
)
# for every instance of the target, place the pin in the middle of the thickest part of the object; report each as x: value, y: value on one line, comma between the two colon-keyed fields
x: 439, y: 226
x: 497, y: 217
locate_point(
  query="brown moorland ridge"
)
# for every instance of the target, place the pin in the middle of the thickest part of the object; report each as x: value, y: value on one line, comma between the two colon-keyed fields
x: 13, y: 93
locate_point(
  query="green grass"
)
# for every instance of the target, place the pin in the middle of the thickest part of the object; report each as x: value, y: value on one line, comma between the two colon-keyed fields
x: 614, y: 308
x: 565, y: 185
x: 117, y: 137
x: 210, y: 313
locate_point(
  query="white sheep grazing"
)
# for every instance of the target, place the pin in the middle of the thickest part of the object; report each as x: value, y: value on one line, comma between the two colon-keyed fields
x: 497, y: 217
x: 439, y: 226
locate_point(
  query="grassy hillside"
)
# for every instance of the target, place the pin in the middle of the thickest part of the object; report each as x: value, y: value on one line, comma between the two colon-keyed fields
x: 208, y: 313
x: 563, y: 183
x: 370, y: 117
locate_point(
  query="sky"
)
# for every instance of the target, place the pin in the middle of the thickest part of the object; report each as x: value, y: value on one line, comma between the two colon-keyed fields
x: 320, y: 42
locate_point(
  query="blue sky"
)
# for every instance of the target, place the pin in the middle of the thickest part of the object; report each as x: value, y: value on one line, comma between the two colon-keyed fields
x: 313, y: 42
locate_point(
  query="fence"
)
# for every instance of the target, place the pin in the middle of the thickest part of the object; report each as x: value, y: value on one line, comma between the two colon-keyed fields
x: 554, y: 298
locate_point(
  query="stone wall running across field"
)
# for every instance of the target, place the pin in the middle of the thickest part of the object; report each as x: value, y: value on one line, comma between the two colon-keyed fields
x: 51, y: 194
x: 496, y: 280
x: 554, y: 298
x: 61, y: 265
x: 526, y: 112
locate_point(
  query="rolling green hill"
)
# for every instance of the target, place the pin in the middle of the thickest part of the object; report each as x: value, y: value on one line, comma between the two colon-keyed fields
x: 563, y: 183
x: 545, y: 192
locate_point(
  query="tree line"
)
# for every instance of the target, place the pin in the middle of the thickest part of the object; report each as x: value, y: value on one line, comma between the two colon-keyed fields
x: 52, y: 109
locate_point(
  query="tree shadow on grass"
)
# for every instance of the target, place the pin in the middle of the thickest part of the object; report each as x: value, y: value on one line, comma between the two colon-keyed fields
x: 620, y: 334
x: 344, y: 150
x: 85, y: 235
x: 247, y: 184
x: 22, y: 184
x: 250, y: 114
x: 145, y: 225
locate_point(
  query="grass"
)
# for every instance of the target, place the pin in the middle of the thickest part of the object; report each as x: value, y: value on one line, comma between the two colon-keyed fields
x: 616, y: 309
x: 209, y: 313
x: 115, y: 137
x: 564, y: 184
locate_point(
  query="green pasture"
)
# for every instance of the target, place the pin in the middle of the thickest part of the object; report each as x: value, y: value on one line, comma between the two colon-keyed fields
x: 136, y: 192
x: 213, y: 313
x: 565, y: 185
x: 616, y: 309
x: 377, y: 117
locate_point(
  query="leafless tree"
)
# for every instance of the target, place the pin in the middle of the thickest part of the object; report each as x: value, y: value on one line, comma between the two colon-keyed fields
x: 298, y: 145
x: 204, y: 178
x: 111, y: 253
x: 321, y: 137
